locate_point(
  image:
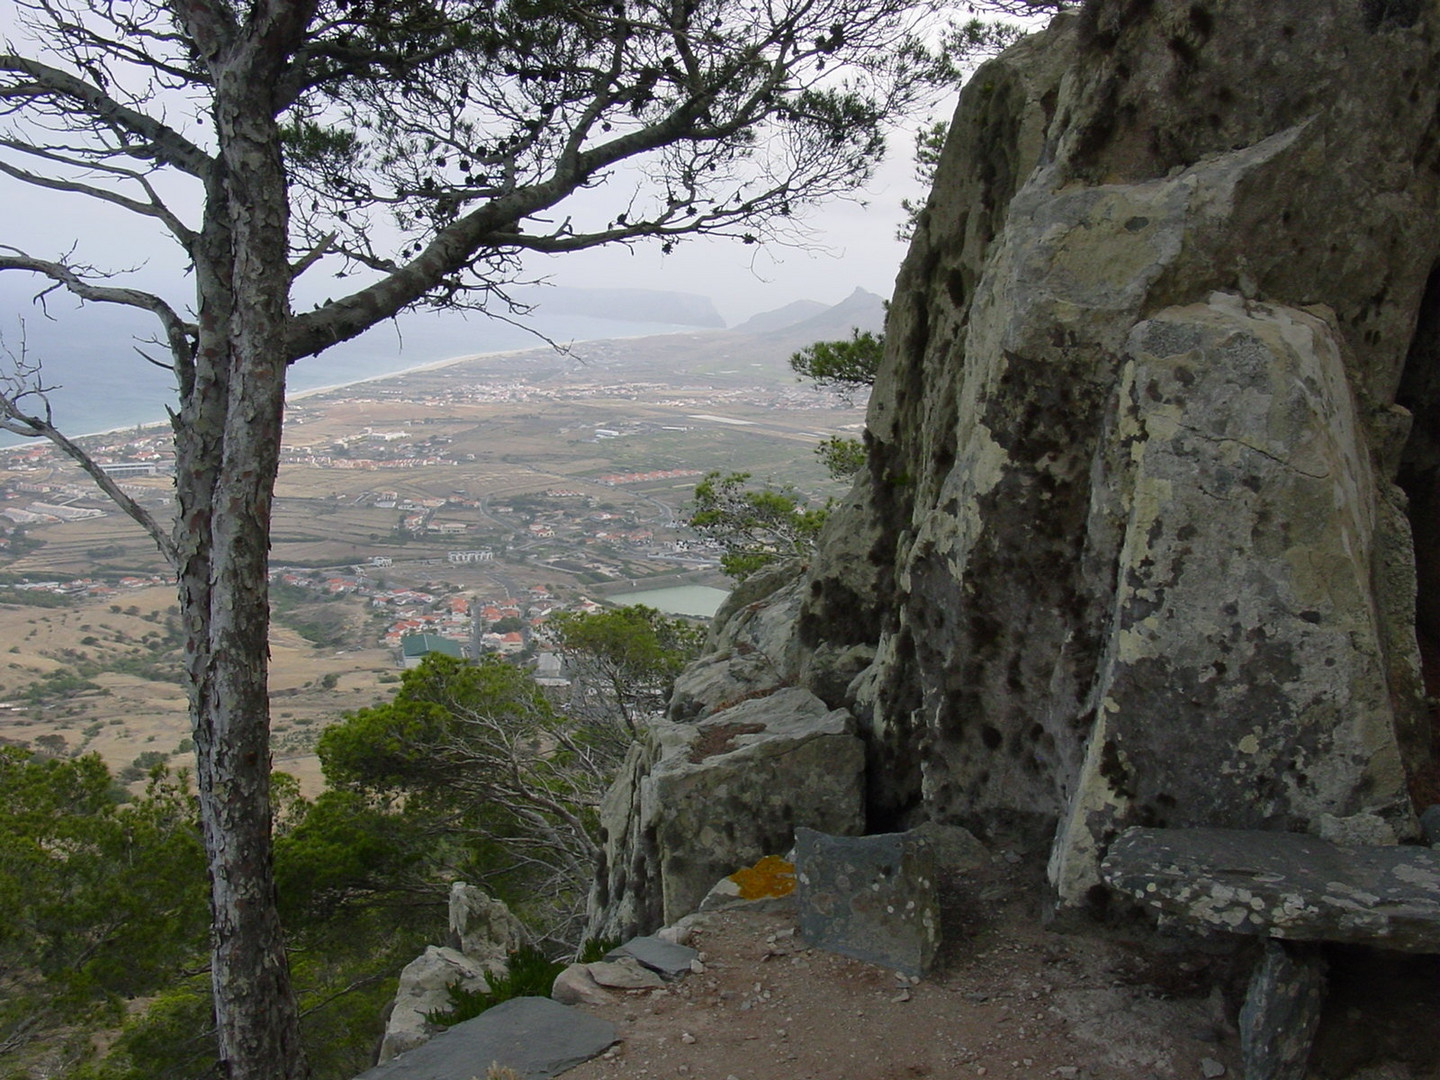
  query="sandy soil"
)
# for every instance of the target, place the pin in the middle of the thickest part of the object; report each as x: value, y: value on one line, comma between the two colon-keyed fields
x: 1009, y: 999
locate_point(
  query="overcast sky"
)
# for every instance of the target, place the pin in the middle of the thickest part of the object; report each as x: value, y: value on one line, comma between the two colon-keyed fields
x: 852, y: 244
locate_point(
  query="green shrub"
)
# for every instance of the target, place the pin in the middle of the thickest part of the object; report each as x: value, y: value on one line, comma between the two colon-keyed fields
x: 528, y: 973
x: 596, y: 949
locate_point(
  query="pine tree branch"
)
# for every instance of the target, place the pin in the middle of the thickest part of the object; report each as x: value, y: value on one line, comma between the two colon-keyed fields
x: 142, y: 136
x: 16, y: 421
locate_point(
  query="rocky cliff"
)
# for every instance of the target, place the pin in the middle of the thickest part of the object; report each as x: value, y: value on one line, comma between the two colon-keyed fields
x: 1153, y: 441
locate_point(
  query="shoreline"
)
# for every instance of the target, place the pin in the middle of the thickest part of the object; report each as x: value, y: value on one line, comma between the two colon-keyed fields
x: 299, y: 395
x: 313, y: 391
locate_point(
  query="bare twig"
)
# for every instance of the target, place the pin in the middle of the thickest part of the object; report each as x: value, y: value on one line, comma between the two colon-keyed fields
x: 18, y: 421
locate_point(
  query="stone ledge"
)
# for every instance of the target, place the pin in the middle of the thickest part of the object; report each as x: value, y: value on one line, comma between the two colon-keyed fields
x: 1284, y: 885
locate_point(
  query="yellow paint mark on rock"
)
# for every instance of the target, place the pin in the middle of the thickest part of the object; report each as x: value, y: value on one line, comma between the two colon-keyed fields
x: 770, y: 877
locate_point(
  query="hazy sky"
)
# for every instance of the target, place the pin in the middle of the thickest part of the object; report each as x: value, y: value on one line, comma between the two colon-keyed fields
x: 853, y: 244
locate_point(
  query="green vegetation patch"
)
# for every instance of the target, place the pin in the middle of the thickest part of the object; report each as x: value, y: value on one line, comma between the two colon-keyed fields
x: 528, y: 973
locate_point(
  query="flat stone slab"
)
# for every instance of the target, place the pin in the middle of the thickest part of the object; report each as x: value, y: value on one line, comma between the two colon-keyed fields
x: 664, y: 957
x: 625, y: 973
x: 1285, y: 885
x: 870, y: 897
x: 535, y: 1036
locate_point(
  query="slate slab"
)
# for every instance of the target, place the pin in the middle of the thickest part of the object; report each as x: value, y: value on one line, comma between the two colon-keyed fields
x: 1285, y: 885
x: 536, y: 1037
x: 870, y: 897
x: 663, y: 957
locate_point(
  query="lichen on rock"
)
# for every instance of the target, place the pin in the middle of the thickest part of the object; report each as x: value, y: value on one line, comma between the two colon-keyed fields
x: 1154, y: 449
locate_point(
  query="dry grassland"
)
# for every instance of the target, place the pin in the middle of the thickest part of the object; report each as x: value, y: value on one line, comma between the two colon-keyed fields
x: 140, y: 708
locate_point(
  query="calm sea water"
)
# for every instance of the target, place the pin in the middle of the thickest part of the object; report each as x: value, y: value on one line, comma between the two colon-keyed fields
x: 98, y: 381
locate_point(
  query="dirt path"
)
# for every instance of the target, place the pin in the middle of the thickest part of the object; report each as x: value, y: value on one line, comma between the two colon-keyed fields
x: 1009, y: 999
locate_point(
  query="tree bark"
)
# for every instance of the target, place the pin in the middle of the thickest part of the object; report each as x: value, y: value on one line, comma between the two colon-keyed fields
x: 227, y: 453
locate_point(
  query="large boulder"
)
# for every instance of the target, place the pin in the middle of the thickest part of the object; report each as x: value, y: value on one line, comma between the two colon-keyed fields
x: 1156, y: 428
x: 482, y: 926
x: 696, y: 801
x: 424, y: 989
x: 751, y: 649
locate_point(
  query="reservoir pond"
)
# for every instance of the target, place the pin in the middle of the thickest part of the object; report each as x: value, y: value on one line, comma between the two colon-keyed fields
x: 697, y: 601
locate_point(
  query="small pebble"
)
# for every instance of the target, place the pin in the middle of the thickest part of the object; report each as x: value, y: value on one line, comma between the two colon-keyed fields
x: 687, y: 1038
x: 697, y: 967
x: 1211, y: 1068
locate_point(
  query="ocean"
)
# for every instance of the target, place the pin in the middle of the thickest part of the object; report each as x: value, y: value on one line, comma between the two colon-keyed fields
x: 98, y: 381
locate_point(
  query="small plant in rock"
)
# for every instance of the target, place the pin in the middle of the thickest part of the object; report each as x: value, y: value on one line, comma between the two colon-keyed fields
x: 596, y: 949
x: 528, y: 973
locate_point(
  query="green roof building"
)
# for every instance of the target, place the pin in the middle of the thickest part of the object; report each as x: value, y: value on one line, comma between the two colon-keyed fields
x: 415, y: 647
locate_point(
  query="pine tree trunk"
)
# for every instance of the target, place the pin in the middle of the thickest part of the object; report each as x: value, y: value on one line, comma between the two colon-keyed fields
x: 227, y: 453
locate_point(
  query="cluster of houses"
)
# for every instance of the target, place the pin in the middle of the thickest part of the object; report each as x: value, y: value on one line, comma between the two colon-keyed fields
x: 613, y: 479
x: 46, y: 502
x: 93, y: 588
x: 443, y: 620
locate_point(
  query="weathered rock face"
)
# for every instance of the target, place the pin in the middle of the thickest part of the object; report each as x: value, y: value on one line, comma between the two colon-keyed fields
x: 483, y: 927
x: 1243, y: 637
x: 695, y: 802
x: 1133, y: 545
x: 425, y: 988
x: 751, y: 650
